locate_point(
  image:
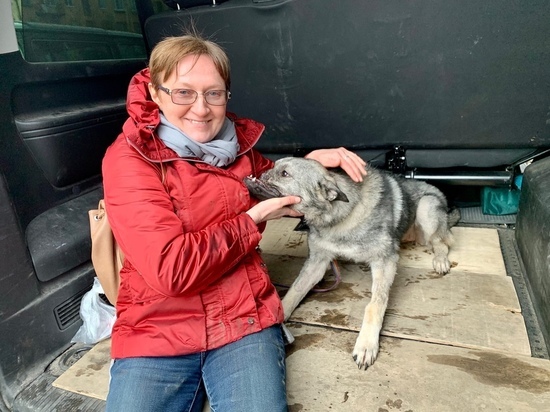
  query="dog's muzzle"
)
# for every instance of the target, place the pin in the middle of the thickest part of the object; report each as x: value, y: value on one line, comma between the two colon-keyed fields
x: 260, y: 189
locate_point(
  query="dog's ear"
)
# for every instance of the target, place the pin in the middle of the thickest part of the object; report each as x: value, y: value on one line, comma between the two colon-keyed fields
x: 333, y: 192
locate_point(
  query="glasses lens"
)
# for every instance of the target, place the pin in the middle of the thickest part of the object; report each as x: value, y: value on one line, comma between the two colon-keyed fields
x: 216, y: 97
x: 183, y: 96
x: 188, y: 96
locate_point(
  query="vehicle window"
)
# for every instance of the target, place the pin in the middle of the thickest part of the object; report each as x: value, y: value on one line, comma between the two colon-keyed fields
x: 76, y: 30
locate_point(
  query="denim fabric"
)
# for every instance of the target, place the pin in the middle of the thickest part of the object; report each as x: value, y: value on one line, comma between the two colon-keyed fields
x: 247, y: 375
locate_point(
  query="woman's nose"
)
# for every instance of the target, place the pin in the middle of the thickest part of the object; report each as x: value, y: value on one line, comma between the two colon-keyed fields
x: 200, y: 105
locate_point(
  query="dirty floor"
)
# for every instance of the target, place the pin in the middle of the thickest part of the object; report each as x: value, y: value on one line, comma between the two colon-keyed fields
x: 449, y: 343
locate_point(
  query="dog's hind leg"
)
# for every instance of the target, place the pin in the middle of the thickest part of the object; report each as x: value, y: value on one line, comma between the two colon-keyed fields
x: 367, y: 344
x: 312, y: 273
x: 431, y: 219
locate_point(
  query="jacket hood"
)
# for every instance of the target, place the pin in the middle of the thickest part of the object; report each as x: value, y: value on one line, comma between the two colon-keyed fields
x: 144, y: 113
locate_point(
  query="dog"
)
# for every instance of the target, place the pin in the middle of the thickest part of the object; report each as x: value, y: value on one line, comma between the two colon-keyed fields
x: 360, y: 222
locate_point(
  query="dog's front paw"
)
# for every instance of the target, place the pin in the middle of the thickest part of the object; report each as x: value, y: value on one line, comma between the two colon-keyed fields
x: 441, y: 265
x: 365, y: 351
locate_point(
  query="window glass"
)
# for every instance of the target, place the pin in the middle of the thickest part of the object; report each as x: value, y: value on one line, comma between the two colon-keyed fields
x: 76, y: 30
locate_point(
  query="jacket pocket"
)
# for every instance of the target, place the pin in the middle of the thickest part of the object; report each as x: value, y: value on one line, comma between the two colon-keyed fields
x: 138, y: 290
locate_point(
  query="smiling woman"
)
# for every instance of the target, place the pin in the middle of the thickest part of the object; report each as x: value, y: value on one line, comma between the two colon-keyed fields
x: 192, y: 272
x: 185, y: 256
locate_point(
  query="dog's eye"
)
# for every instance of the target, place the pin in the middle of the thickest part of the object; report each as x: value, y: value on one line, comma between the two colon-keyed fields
x: 284, y: 173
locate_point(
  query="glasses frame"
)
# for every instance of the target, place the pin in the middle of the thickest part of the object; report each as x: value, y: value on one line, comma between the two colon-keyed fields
x: 170, y: 91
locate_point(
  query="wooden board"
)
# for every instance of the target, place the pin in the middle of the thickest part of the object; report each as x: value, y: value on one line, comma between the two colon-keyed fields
x: 409, y: 376
x: 459, y: 338
x: 476, y: 250
x: 460, y: 309
x: 280, y: 238
x: 474, y: 306
x: 322, y: 376
x: 90, y: 374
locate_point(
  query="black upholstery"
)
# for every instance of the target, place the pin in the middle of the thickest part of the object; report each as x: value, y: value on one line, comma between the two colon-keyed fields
x: 425, y: 75
x: 59, y: 239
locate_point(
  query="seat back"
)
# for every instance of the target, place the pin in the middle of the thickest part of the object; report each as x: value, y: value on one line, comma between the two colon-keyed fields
x: 433, y: 76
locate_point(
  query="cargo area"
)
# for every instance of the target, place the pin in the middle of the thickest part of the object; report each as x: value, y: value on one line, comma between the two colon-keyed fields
x: 458, y: 342
x: 452, y: 93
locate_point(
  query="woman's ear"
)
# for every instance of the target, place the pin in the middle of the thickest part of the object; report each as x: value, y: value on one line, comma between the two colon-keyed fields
x: 153, y: 91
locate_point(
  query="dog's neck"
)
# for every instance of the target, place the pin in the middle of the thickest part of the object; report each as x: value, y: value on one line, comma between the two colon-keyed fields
x: 332, y: 213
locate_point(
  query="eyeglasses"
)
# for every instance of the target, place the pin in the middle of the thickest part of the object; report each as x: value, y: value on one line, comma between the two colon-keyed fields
x: 188, y: 96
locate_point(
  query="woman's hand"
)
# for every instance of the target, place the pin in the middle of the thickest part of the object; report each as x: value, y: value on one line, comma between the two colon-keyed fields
x: 274, y: 209
x: 352, y: 164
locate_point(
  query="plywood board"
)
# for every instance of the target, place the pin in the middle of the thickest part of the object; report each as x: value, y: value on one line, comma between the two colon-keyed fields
x: 475, y: 250
x: 321, y: 375
x: 409, y: 376
x: 90, y: 374
x: 280, y: 238
x: 466, y: 327
x: 459, y: 309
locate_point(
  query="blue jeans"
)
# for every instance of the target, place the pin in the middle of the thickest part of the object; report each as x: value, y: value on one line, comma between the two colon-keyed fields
x: 247, y: 375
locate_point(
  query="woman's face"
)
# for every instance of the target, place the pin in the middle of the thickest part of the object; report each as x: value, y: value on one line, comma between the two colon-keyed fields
x: 200, y: 121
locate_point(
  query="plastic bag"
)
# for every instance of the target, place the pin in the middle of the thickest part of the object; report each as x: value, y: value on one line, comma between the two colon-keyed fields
x: 97, y: 317
x: 501, y: 200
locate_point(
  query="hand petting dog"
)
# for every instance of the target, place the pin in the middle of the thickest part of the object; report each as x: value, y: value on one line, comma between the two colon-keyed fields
x: 350, y: 162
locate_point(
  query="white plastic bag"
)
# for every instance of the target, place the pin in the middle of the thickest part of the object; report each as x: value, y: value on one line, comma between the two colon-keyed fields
x: 97, y: 317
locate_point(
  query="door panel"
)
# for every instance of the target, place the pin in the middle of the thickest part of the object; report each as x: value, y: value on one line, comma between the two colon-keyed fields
x: 58, y: 119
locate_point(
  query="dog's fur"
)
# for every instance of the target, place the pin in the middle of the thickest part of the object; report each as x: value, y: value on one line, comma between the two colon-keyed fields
x: 360, y: 222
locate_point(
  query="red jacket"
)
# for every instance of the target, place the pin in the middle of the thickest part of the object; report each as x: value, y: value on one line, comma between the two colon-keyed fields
x: 193, y: 278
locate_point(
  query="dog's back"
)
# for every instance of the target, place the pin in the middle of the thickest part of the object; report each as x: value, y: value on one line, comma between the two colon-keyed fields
x: 383, y: 200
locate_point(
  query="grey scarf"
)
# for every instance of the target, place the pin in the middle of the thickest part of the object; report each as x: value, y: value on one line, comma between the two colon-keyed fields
x: 220, y: 151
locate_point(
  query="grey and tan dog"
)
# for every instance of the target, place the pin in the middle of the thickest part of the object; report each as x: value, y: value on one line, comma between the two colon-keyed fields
x: 360, y: 222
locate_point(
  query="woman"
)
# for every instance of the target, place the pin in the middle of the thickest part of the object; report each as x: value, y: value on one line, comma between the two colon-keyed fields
x: 196, y: 313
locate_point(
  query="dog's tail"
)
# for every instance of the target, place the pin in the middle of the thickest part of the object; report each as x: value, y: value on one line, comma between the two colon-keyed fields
x: 453, y: 217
